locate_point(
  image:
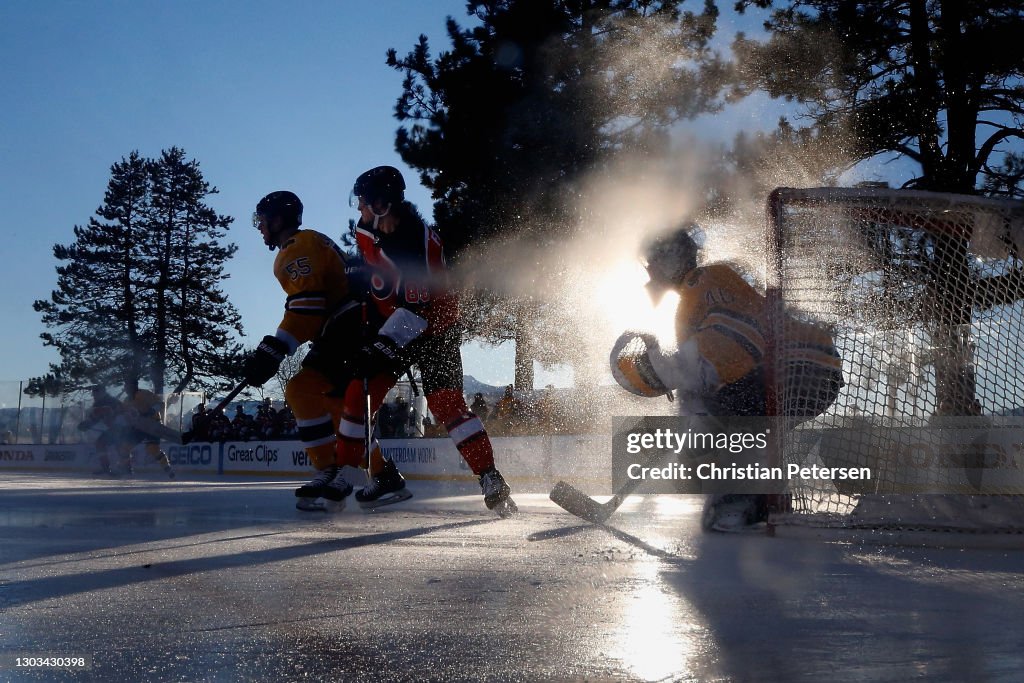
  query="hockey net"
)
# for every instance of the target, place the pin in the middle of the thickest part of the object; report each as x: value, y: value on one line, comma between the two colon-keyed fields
x: 924, y: 295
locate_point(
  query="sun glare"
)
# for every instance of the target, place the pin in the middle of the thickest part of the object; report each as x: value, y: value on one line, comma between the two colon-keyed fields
x: 627, y: 305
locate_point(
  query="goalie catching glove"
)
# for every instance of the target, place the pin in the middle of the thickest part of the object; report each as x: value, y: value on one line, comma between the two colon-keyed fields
x: 263, y: 363
x: 632, y: 367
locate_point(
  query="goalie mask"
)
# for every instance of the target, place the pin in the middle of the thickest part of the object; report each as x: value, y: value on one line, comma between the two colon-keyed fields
x: 668, y: 259
x: 631, y: 365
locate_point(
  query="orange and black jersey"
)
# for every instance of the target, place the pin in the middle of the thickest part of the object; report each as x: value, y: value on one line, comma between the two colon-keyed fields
x: 409, y: 271
x: 311, y: 270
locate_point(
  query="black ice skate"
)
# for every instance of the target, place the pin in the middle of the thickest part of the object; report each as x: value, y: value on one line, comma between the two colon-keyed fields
x: 385, y: 488
x: 326, y: 492
x: 497, y: 493
x: 733, y: 513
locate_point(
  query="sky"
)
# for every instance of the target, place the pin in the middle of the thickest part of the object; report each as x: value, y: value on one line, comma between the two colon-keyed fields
x: 266, y: 96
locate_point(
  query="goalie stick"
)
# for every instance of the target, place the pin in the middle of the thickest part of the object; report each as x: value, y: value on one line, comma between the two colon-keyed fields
x: 574, y: 501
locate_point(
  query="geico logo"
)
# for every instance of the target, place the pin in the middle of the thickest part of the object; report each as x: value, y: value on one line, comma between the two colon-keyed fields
x: 258, y: 454
x: 197, y: 454
x: 11, y: 454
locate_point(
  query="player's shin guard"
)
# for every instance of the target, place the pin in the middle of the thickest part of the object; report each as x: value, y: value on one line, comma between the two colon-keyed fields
x: 464, y: 428
x: 350, y: 447
x: 317, y: 436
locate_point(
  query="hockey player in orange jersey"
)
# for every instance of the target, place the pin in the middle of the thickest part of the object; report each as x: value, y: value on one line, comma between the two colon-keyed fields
x: 321, y: 308
x: 718, y: 366
x: 420, y: 327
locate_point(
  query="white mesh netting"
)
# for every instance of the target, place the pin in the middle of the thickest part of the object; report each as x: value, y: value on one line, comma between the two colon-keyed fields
x: 924, y: 294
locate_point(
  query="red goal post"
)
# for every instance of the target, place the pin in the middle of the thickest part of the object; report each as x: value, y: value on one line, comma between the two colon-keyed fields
x: 924, y: 295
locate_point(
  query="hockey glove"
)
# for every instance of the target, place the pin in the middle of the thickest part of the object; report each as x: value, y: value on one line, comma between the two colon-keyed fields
x: 632, y: 366
x: 379, y: 356
x: 263, y: 363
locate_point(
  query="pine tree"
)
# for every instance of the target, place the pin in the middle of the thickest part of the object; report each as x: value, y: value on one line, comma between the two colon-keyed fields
x: 936, y: 81
x: 139, y: 294
x: 95, y: 311
x: 191, y: 316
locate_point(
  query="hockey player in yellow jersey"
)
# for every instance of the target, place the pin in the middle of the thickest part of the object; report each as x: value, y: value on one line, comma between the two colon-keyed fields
x: 126, y: 425
x: 718, y: 365
x: 319, y: 308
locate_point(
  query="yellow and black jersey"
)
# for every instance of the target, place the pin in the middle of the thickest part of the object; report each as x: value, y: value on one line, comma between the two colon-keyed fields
x: 311, y: 270
x: 726, y: 317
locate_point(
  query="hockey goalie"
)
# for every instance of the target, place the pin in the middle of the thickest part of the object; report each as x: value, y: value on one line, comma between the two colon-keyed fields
x: 717, y: 367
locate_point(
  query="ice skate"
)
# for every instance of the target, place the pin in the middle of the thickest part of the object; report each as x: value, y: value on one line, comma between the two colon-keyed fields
x: 497, y: 493
x: 326, y: 492
x: 386, y: 488
x: 734, y: 513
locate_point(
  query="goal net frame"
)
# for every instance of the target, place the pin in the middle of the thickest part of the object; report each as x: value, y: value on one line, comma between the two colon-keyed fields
x: 924, y: 294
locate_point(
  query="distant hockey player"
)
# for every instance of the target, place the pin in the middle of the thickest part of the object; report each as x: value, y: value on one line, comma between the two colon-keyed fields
x: 124, y: 427
x: 717, y: 368
x: 100, y: 418
x: 319, y: 308
x: 421, y: 327
x: 144, y: 409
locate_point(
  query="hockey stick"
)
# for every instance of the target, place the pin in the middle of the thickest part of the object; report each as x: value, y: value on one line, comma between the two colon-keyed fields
x: 187, y: 437
x: 367, y: 413
x: 574, y: 501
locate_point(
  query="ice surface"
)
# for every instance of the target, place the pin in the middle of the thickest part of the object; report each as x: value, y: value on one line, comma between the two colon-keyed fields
x: 222, y: 579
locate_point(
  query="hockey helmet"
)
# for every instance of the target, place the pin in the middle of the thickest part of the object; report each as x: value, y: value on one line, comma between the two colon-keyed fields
x: 668, y: 258
x: 283, y: 204
x: 383, y: 183
x: 632, y: 367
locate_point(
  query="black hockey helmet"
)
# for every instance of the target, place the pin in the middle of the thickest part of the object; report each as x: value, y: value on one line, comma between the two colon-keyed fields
x: 384, y: 183
x: 283, y: 204
x: 668, y: 258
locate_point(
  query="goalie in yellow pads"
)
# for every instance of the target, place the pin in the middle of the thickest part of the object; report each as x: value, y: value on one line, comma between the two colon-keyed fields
x: 718, y: 366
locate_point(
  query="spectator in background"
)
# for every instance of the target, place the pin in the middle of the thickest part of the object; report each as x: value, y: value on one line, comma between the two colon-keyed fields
x: 286, y: 425
x: 508, y: 412
x: 220, y: 427
x: 242, y: 425
x: 401, y: 417
x: 200, y: 426
x: 479, y: 406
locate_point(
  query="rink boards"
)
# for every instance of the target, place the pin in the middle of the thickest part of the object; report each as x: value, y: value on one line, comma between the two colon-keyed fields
x: 525, y: 459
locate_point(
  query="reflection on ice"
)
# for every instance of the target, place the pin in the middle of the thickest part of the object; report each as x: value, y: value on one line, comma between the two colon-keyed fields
x: 653, y: 644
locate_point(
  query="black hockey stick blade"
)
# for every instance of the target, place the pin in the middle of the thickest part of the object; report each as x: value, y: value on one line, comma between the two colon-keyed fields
x: 574, y: 501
